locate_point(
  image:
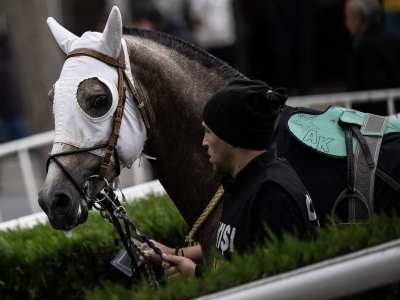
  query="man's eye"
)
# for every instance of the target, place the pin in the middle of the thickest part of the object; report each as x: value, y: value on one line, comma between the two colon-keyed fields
x: 99, y: 101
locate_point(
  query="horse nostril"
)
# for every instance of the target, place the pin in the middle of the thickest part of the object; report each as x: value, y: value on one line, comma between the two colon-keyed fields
x: 42, y: 202
x: 61, y: 204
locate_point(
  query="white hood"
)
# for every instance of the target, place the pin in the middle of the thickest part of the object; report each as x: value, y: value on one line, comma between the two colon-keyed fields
x: 72, y: 125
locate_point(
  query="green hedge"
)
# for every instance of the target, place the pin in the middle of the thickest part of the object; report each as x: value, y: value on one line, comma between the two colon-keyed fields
x: 41, y: 263
x: 278, y: 257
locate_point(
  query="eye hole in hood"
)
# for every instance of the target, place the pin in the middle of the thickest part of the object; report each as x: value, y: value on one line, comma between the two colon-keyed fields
x: 97, y: 98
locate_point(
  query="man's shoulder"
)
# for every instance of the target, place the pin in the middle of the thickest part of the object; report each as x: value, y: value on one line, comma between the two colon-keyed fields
x: 270, y: 190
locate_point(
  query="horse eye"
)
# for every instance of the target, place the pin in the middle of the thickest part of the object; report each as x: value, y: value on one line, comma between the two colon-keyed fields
x: 100, y: 101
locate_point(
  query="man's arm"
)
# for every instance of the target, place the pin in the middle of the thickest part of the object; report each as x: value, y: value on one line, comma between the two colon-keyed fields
x: 194, y: 253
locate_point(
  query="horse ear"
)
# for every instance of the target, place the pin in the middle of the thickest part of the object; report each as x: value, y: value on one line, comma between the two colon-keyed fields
x: 112, y: 34
x: 63, y: 37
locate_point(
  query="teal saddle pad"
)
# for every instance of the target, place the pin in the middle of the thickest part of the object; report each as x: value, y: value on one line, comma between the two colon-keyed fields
x: 323, y: 133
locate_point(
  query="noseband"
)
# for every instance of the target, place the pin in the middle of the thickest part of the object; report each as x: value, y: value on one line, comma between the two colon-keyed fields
x: 110, y: 146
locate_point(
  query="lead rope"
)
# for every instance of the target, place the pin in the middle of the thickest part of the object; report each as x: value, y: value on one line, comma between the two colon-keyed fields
x: 191, y: 237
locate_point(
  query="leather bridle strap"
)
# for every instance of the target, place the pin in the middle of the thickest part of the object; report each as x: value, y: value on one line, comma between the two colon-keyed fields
x: 54, y: 157
x: 120, y: 65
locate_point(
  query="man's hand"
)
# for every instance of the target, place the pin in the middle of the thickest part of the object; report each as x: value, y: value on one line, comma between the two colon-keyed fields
x: 176, y: 265
x: 154, y: 256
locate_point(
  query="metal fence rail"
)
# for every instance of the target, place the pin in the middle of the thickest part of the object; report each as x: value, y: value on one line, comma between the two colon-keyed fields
x: 132, y: 193
x: 22, y: 146
x: 331, y: 279
x: 348, y: 99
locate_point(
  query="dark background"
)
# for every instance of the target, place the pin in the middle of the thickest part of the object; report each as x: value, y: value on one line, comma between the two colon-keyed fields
x: 330, y: 44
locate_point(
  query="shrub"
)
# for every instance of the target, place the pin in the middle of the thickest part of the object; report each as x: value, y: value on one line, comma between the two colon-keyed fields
x: 40, y: 263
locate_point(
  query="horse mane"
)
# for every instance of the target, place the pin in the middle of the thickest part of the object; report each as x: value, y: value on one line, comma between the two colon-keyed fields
x: 187, y: 49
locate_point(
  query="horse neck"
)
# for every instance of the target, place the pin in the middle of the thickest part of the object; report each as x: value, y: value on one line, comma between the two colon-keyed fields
x: 177, y: 89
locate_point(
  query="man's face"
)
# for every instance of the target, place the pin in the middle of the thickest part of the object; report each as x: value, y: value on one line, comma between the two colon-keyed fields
x: 220, y: 152
x: 354, y: 23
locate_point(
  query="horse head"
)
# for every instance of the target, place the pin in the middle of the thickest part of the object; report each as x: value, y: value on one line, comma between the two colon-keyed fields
x: 85, y: 99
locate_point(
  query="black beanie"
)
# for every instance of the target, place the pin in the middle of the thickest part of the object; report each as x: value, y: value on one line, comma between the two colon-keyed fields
x: 243, y: 113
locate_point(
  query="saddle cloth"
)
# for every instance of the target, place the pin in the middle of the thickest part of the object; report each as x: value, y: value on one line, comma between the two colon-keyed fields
x: 323, y: 133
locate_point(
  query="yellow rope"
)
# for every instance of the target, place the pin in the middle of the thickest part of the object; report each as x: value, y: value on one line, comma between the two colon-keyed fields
x: 191, y: 237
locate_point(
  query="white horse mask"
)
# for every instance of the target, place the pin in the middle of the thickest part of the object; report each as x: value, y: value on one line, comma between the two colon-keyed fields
x: 72, y: 125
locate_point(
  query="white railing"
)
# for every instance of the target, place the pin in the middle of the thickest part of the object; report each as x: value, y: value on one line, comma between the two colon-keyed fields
x: 342, y: 276
x: 348, y: 99
x: 22, y: 146
x: 132, y: 193
x: 331, y: 279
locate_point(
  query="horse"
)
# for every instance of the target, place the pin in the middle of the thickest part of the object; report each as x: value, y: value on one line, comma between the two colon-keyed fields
x: 154, y: 86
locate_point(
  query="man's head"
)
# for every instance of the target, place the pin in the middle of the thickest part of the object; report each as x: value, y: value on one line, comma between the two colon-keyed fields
x: 241, y: 115
x: 360, y: 13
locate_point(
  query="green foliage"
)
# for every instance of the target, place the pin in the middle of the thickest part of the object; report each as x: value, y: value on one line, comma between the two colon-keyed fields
x: 273, y: 258
x: 41, y: 263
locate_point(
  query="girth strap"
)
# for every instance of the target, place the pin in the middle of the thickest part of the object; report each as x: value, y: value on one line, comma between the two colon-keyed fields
x: 364, y: 170
x: 361, y: 168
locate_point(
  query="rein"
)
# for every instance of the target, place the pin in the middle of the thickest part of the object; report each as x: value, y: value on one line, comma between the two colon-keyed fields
x: 111, y: 209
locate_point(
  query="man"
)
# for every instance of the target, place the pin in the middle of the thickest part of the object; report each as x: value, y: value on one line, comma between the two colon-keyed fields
x: 375, y: 62
x: 261, y: 190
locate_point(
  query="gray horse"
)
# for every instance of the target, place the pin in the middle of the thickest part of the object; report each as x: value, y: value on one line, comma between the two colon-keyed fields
x: 174, y: 79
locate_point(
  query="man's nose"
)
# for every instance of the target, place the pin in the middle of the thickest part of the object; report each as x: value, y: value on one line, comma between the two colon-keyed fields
x: 204, y: 142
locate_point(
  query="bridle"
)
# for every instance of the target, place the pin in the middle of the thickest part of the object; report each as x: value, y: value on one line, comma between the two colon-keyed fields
x: 112, y: 141
x: 107, y: 203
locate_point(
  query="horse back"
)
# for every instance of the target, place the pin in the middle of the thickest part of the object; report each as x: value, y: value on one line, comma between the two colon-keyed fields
x: 325, y: 177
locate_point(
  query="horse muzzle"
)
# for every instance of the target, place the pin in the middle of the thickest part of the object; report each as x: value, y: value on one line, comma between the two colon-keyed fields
x: 63, y: 212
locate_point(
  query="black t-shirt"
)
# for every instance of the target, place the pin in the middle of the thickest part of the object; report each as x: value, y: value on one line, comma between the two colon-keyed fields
x: 267, y: 192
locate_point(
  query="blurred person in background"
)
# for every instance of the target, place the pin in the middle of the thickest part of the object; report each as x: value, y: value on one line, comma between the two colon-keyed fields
x: 12, y: 125
x: 375, y: 62
x: 146, y: 14
x: 214, y: 28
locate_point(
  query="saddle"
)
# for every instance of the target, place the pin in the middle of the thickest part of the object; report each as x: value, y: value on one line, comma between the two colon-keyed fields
x: 345, y: 133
